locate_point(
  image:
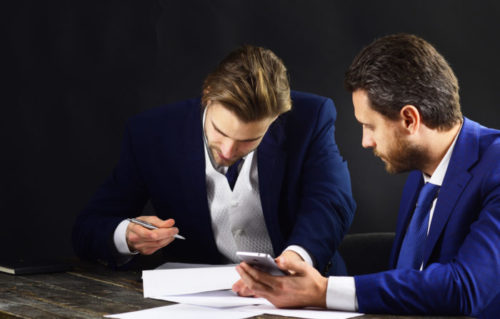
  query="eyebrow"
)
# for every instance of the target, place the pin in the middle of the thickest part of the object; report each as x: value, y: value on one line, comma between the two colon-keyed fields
x: 364, y: 124
x: 370, y: 126
x: 224, y: 134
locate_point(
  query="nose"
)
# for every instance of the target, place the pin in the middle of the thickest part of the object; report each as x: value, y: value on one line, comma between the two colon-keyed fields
x: 367, y: 141
x: 228, y: 148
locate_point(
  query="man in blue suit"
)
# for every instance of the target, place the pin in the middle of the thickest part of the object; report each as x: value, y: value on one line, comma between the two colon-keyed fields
x: 286, y: 191
x: 446, y: 255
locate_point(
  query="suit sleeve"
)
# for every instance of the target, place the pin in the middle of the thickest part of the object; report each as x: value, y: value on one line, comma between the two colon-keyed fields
x: 463, y: 286
x: 326, y: 205
x: 122, y: 195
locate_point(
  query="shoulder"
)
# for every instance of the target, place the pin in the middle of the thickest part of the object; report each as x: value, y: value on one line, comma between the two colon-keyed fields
x: 489, y: 142
x: 486, y: 141
x: 305, y: 98
x: 303, y: 102
x: 310, y: 115
x: 308, y: 108
x: 489, y: 162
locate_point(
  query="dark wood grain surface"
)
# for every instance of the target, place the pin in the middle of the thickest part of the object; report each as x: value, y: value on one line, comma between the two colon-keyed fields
x: 87, y: 291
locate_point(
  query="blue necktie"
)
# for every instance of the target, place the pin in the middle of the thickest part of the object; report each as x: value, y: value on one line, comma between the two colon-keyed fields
x: 412, y: 250
x: 232, y: 173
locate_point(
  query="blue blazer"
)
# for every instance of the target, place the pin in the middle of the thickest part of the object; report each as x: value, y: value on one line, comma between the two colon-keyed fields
x: 304, y: 184
x: 461, y: 272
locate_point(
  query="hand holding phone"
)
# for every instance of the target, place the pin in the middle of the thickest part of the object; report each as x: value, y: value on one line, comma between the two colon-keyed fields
x: 262, y: 262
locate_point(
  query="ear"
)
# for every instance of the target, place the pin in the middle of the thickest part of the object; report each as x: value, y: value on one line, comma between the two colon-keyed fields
x: 410, y: 118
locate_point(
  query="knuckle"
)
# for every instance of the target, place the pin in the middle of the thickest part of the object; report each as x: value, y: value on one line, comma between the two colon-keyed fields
x: 133, y: 237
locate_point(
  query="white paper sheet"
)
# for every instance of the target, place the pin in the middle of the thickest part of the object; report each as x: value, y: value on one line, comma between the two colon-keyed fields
x: 174, y: 265
x: 186, y: 312
x: 216, y: 299
x: 163, y: 282
x: 300, y: 313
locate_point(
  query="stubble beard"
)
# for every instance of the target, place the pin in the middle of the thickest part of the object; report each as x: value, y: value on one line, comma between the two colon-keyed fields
x: 403, y: 157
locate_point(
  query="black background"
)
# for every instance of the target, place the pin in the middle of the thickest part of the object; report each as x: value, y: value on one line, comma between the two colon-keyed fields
x: 74, y: 71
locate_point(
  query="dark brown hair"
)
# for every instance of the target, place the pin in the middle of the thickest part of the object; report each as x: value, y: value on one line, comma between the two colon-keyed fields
x: 252, y: 82
x: 403, y: 69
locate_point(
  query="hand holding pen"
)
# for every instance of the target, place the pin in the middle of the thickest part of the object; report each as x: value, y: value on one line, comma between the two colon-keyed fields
x: 147, y: 234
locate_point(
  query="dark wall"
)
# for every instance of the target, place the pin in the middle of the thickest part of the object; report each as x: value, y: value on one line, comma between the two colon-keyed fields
x: 74, y: 71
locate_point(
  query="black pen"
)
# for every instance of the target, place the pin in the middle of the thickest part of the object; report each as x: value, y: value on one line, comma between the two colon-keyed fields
x: 149, y: 226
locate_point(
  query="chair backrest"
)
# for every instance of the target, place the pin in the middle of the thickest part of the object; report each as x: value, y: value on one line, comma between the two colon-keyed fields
x: 366, y: 253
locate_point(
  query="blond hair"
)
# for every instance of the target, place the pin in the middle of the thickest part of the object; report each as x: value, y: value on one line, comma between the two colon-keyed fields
x: 252, y: 82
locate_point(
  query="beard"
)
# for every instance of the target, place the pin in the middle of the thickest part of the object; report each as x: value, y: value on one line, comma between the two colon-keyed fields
x: 403, y: 157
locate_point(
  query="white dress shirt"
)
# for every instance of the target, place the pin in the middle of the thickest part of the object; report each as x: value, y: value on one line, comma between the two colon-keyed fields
x: 341, y: 290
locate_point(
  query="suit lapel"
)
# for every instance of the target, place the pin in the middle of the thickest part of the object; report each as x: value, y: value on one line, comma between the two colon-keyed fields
x: 194, y: 182
x: 455, y: 181
x: 271, y: 159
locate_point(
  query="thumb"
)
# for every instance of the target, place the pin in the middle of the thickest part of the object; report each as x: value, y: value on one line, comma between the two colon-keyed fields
x: 166, y: 223
x: 160, y: 223
x: 293, y: 265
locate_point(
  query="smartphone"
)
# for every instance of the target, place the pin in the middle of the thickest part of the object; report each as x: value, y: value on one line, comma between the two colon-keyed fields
x: 262, y: 262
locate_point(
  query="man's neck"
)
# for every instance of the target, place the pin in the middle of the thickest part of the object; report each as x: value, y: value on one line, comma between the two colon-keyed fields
x: 438, y: 143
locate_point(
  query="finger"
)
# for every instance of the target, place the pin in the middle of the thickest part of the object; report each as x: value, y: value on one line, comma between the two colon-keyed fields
x: 139, y: 230
x: 144, y: 234
x: 254, y: 279
x: 148, y: 248
x: 155, y: 243
x: 237, y: 286
x: 154, y: 220
x: 139, y: 238
x: 246, y: 292
x: 166, y: 232
x: 242, y: 290
x: 258, y: 275
x: 138, y: 233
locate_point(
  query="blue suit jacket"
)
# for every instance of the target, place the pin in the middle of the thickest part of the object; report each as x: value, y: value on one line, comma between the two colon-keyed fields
x: 304, y: 184
x: 461, y: 272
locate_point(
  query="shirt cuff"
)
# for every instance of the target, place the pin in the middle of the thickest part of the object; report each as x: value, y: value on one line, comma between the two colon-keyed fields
x: 120, y: 239
x: 341, y: 294
x: 302, y: 253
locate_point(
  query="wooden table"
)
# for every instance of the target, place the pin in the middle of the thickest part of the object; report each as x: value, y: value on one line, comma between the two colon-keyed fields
x: 87, y: 291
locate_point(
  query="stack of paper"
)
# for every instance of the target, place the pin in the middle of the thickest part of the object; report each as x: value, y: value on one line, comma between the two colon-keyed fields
x: 205, y: 292
x: 165, y: 282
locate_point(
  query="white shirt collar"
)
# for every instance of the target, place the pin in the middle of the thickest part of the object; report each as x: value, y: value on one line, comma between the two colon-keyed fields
x: 438, y: 175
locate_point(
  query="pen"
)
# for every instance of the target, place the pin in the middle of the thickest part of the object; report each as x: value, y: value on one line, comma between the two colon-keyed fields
x: 149, y: 226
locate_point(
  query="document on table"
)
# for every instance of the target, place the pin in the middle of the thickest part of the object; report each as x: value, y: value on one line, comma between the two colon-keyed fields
x: 194, y: 312
x: 165, y: 282
x: 203, y: 291
x: 216, y: 299
x: 185, y: 312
